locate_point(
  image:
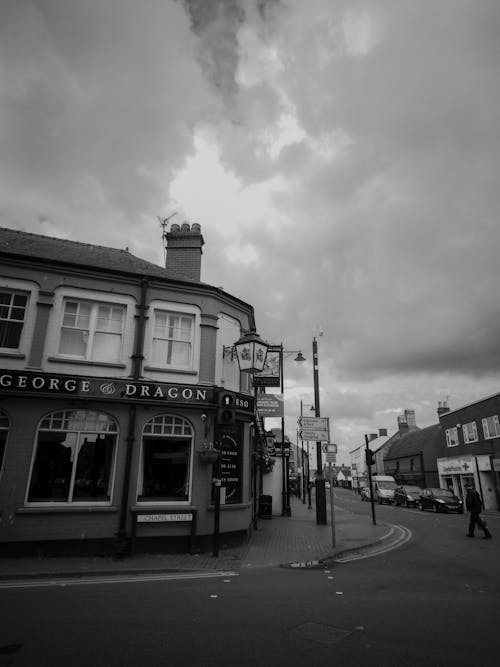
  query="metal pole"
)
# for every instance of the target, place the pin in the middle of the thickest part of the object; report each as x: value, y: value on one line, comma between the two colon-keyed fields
x: 370, y: 479
x: 332, y: 508
x: 321, y: 518
x: 308, y: 480
x: 217, y: 481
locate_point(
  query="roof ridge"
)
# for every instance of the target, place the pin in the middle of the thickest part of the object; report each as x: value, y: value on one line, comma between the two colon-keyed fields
x: 83, y: 243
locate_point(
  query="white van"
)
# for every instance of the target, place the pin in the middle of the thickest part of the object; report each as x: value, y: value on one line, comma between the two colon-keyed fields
x: 383, y: 489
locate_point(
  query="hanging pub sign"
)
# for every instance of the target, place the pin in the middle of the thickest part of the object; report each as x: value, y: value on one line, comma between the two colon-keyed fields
x: 270, y: 375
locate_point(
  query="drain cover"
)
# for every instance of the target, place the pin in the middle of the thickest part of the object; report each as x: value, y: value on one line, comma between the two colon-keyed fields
x: 322, y: 634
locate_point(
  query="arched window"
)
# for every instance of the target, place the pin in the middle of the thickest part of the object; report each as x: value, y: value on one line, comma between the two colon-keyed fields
x: 167, y: 445
x: 4, y: 431
x: 73, y: 459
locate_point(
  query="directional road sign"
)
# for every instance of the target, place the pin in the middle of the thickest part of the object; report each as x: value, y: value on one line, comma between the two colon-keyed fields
x: 316, y: 429
x: 315, y: 434
x: 314, y: 423
x: 329, y: 448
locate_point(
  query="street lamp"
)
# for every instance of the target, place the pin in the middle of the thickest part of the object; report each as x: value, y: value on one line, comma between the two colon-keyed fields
x: 251, y: 353
x: 321, y: 518
x: 285, y: 461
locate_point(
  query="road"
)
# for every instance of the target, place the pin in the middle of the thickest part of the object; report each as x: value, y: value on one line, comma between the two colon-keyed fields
x: 433, y: 601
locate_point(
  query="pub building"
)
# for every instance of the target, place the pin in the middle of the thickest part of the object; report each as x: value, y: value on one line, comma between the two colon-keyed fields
x: 112, y: 371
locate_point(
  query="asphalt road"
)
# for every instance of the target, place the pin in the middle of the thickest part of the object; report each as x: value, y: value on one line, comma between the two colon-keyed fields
x: 434, y: 601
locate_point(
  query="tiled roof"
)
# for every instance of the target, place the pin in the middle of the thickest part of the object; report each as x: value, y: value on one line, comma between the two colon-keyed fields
x: 62, y: 251
x: 414, y: 442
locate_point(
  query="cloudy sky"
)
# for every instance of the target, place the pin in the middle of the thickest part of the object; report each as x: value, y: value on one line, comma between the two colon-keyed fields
x: 342, y: 158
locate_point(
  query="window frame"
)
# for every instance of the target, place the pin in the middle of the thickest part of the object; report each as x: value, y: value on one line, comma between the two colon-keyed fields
x: 449, y: 431
x: 69, y: 502
x: 161, y: 432
x: 93, y: 329
x: 486, y: 427
x: 465, y: 431
x: 182, y: 310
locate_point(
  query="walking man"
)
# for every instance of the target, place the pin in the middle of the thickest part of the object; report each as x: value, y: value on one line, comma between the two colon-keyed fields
x: 474, y: 506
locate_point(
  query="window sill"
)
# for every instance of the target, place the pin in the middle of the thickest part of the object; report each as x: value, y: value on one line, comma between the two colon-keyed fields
x: 179, y: 371
x: 225, y: 508
x: 149, y: 506
x: 83, y: 362
x: 66, y: 509
x: 12, y: 355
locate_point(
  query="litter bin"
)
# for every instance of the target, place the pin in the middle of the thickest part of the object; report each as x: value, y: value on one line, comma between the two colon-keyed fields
x: 265, y: 507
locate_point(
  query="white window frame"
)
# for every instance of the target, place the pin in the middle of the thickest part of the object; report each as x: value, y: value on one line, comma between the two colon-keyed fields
x: 31, y: 290
x: 89, y: 354
x: 452, y: 437
x: 181, y: 310
x: 469, y: 431
x: 491, y: 421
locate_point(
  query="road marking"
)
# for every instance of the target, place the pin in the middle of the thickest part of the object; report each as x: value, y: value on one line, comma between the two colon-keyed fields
x: 112, y: 579
x: 396, y: 537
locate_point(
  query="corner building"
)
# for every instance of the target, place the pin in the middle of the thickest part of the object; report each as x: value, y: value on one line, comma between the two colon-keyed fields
x: 110, y: 368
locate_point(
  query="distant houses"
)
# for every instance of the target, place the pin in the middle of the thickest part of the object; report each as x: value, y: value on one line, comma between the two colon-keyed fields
x: 462, y: 448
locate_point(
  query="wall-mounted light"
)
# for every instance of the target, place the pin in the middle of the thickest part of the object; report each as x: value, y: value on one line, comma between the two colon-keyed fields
x: 251, y: 352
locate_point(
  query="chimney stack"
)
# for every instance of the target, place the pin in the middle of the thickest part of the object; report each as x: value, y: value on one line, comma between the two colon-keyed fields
x: 184, y: 243
x: 382, y: 432
x: 442, y: 408
x: 402, y: 424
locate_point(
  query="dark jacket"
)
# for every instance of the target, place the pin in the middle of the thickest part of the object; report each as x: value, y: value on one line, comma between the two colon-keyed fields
x: 473, y: 501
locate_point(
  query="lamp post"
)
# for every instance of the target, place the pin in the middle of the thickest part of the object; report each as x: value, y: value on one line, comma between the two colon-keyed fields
x: 321, y: 518
x: 251, y: 353
x: 286, y: 510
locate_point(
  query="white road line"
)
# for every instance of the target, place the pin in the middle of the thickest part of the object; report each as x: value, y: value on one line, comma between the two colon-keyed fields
x: 403, y: 535
x: 112, y: 579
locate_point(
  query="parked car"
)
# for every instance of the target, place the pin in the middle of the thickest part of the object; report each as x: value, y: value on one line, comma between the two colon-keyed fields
x: 440, y: 500
x: 407, y: 495
x: 365, y: 493
x: 383, y: 489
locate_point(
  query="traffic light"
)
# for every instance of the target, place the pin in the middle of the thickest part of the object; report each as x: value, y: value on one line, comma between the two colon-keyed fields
x: 370, y: 457
x: 226, y: 414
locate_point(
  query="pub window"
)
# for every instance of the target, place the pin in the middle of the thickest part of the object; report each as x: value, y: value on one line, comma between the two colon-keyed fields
x: 92, y: 330
x: 491, y: 427
x: 4, y: 431
x: 172, y: 345
x: 470, y: 432
x: 73, y: 459
x: 167, y: 446
x: 13, y: 306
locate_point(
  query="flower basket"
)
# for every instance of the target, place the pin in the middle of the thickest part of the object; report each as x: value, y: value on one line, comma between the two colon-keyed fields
x: 208, y: 455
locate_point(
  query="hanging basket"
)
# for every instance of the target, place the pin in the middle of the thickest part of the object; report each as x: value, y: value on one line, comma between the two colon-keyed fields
x: 208, y: 455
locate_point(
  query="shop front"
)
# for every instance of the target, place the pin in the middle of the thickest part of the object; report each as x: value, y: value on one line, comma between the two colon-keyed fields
x: 91, y: 462
x: 456, y: 473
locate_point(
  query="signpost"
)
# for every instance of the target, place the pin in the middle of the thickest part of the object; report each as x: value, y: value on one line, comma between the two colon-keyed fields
x: 316, y: 429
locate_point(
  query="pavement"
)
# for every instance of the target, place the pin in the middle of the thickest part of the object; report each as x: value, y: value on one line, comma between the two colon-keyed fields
x: 295, y: 540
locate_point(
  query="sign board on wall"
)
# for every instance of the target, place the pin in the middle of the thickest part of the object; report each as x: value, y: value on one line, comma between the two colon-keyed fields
x: 270, y: 405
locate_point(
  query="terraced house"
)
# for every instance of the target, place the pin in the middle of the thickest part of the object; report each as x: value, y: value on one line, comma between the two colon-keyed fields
x: 110, y: 372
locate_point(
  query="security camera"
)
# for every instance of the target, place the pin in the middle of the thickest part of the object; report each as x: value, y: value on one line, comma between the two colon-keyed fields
x: 203, y: 417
